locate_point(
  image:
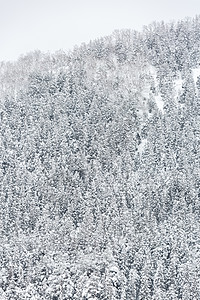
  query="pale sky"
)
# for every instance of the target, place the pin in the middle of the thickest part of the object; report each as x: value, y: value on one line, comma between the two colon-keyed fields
x: 51, y: 25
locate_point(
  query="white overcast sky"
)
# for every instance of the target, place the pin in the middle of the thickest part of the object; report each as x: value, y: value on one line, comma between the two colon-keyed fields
x: 50, y: 25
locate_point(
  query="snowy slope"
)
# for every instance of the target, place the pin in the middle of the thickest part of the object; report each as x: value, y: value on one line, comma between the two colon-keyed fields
x: 178, y: 83
x: 196, y: 73
x: 157, y: 97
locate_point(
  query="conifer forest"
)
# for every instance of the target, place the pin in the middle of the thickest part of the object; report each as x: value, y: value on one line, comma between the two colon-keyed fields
x: 100, y: 168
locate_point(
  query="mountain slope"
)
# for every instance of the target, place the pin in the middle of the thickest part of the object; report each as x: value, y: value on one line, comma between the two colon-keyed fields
x: 99, y: 169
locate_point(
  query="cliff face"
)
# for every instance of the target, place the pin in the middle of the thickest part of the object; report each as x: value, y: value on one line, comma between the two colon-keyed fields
x: 100, y: 168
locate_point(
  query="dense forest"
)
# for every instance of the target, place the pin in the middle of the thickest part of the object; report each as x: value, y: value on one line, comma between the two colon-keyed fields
x: 100, y: 169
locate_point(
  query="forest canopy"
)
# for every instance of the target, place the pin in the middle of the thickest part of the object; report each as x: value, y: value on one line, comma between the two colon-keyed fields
x: 99, y: 172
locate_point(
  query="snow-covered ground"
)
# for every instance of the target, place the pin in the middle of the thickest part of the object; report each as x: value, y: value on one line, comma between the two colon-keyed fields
x: 141, y: 146
x: 196, y: 73
x: 158, y: 97
x: 153, y: 73
x: 178, y: 83
x: 159, y: 102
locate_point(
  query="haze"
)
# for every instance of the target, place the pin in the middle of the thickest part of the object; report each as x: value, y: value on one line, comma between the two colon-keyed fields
x: 50, y: 25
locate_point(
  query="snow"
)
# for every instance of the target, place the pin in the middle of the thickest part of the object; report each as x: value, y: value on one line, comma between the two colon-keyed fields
x: 159, y: 102
x: 158, y: 97
x: 141, y: 146
x: 145, y: 92
x: 195, y: 73
x: 178, y: 86
x: 153, y: 73
x: 114, y: 269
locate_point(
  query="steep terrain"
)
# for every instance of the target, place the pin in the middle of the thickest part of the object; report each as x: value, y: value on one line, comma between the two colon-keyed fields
x: 100, y: 173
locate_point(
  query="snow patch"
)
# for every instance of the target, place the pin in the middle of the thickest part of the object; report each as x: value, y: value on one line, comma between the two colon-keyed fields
x: 196, y: 73
x: 145, y: 92
x: 141, y: 146
x: 158, y: 97
x: 153, y: 73
x: 159, y: 102
x: 178, y: 83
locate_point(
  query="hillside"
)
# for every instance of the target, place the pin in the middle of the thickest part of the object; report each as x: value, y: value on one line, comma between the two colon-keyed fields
x: 100, y: 169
